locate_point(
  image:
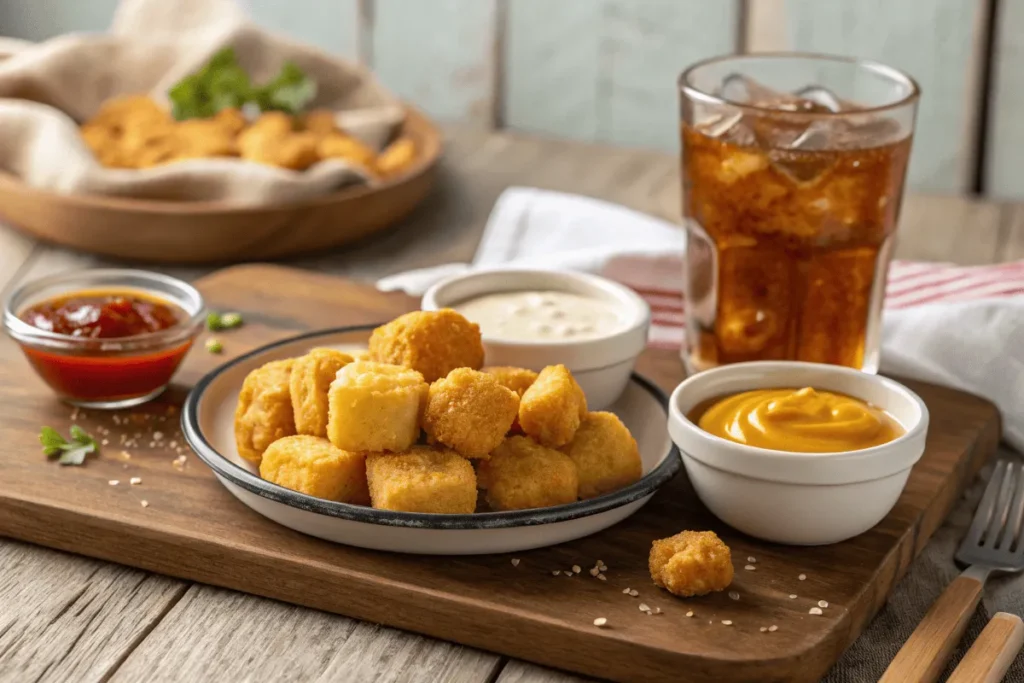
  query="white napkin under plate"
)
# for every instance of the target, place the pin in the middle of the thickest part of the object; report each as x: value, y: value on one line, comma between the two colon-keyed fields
x: 958, y: 326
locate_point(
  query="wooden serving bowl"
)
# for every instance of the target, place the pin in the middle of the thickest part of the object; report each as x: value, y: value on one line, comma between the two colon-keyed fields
x: 218, y: 231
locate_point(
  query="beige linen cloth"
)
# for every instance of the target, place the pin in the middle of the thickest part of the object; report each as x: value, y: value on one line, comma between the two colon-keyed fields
x: 46, y: 88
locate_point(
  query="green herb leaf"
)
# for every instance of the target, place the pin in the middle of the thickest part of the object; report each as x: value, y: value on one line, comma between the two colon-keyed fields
x: 223, y: 83
x: 214, y: 346
x: 230, y: 321
x: 213, y: 322
x: 53, y: 443
x: 76, y: 454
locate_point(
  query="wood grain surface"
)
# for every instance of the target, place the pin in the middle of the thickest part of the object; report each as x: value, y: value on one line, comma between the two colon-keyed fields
x: 194, y: 529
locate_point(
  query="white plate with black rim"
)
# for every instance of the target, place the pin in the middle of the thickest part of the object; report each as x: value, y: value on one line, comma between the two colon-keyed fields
x: 208, y: 424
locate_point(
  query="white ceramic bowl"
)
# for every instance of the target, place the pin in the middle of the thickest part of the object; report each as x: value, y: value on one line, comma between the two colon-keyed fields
x: 208, y: 423
x: 797, y: 498
x: 602, y: 366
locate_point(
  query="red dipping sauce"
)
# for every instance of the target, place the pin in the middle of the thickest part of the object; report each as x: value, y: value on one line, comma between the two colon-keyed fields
x: 106, y: 347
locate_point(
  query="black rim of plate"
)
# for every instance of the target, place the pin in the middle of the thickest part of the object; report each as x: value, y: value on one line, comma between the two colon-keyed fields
x: 253, y: 483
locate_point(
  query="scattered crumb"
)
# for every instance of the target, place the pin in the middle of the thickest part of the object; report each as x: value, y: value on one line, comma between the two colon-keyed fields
x: 633, y: 592
x: 105, y: 442
x: 763, y: 629
x: 602, y: 577
x: 595, y: 571
x: 657, y: 610
x: 576, y: 569
x: 555, y: 573
x: 750, y: 567
x: 145, y: 503
x: 173, y: 444
x: 600, y: 622
x: 135, y: 481
x: 602, y: 566
x: 515, y: 561
x: 114, y: 482
x: 822, y: 604
x: 815, y: 611
x: 733, y: 595
x: 752, y: 559
x: 644, y: 608
x: 792, y: 596
x: 689, y: 614
x: 625, y: 591
x: 773, y: 628
x: 802, y: 577
x: 726, y: 622
x: 157, y: 436
x: 125, y: 455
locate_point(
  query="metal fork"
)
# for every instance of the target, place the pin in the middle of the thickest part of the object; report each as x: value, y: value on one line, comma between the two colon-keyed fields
x: 994, y: 543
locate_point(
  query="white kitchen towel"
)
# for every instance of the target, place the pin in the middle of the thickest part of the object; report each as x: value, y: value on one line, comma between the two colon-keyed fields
x: 958, y: 326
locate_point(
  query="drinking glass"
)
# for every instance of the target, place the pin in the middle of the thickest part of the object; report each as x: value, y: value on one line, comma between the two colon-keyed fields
x: 793, y: 168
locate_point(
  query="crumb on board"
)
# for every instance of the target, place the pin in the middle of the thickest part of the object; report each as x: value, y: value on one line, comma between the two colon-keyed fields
x: 515, y: 561
x: 822, y: 604
x: 114, y: 482
x: 600, y: 622
x: 815, y: 611
x: 144, y: 503
x: 802, y: 577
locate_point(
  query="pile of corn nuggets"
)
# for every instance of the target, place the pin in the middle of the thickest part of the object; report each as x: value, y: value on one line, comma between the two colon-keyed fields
x: 417, y: 426
x: 136, y: 132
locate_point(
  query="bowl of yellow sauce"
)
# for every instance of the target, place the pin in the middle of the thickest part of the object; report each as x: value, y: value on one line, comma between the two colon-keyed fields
x: 798, y: 453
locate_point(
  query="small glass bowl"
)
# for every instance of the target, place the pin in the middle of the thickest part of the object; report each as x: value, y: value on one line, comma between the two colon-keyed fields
x: 114, y: 372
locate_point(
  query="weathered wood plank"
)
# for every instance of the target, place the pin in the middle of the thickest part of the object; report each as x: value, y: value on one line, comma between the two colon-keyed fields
x: 954, y: 229
x: 1004, y: 167
x: 68, y: 618
x: 42, y: 19
x: 332, y: 25
x: 215, y: 634
x: 606, y: 69
x: 440, y: 55
x: 518, y: 671
x: 940, y: 43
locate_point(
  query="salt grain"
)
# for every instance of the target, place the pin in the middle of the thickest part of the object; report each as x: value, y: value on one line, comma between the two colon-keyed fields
x: 134, y: 481
x: 750, y: 567
x: 773, y: 628
x: 114, y: 482
x: 822, y: 604
x: 600, y: 621
x: 734, y: 595
x: 802, y: 577
x: 815, y: 610
x: 726, y: 622
x: 515, y: 561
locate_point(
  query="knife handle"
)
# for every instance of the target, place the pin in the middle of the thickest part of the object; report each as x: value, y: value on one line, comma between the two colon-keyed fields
x: 993, y: 652
x: 925, y: 654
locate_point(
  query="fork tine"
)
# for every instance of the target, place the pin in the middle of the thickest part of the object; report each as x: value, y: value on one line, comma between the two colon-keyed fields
x: 1014, y: 531
x: 988, y: 500
x: 1002, y: 507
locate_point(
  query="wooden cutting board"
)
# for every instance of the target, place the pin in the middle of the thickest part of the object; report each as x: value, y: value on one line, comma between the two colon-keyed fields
x: 192, y: 528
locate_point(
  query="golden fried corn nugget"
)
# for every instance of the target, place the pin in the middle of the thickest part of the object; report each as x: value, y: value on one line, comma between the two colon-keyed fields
x: 516, y: 379
x: 522, y: 474
x: 311, y: 379
x: 201, y: 138
x: 422, y: 479
x: 551, y: 409
x: 341, y: 146
x: 264, y: 412
x: 375, y: 407
x: 320, y: 122
x: 605, y: 453
x: 316, y: 467
x: 431, y: 342
x: 469, y: 412
x: 231, y: 120
x: 396, y: 157
x: 129, y: 111
x: 691, y: 563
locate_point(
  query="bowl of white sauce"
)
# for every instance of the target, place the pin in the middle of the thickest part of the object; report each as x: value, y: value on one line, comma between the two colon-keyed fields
x: 535, y: 318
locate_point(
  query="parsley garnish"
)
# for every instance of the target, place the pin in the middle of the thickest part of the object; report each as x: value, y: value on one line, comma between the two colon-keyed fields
x: 223, y: 321
x: 71, y: 452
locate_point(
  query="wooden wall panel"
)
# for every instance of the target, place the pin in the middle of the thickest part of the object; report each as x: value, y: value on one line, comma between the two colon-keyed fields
x: 439, y: 54
x: 606, y: 69
x: 940, y: 42
x: 331, y: 25
x: 1004, y: 154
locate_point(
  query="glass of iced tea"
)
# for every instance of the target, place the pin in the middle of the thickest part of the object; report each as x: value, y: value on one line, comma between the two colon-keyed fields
x: 793, y: 168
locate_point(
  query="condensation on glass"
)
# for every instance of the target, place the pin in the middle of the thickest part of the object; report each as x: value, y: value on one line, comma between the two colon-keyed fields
x: 793, y: 169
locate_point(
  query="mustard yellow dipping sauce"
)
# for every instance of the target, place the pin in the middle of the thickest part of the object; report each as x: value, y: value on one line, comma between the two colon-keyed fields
x: 799, y: 421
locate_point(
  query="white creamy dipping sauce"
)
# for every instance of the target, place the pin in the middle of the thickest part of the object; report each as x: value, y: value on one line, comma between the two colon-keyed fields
x: 541, y: 315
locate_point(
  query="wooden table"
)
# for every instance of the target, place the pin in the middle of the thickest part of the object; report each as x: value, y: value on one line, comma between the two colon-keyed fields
x: 68, y: 618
